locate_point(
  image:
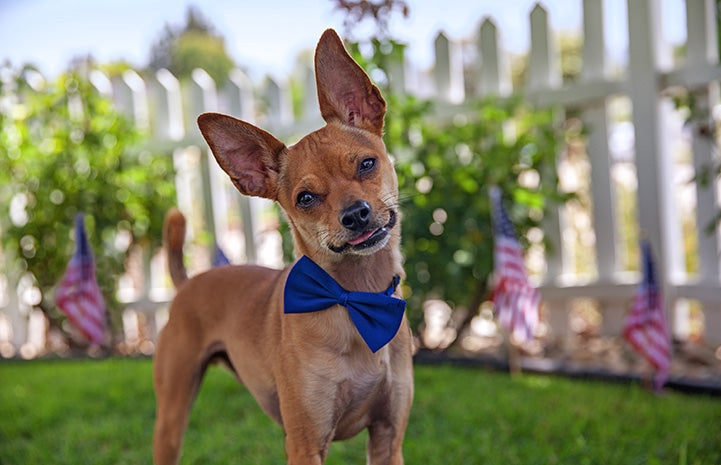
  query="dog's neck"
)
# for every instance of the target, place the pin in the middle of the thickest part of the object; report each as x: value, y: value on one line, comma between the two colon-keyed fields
x: 371, y: 273
x: 368, y: 273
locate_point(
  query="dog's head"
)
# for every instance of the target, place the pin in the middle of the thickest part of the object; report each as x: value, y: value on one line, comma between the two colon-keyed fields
x: 337, y: 185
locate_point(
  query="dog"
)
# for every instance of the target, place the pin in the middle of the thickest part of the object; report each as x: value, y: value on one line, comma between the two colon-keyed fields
x: 312, y: 371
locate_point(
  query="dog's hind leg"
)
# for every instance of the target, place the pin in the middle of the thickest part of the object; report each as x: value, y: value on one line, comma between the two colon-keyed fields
x: 178, y: 372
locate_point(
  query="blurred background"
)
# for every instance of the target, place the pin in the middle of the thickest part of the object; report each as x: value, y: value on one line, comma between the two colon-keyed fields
x: 596, y: 118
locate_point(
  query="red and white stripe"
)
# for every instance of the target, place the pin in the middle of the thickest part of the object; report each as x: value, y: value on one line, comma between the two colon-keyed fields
x: 645, y: 326
x: 516, y: 301
x: 78, y: 295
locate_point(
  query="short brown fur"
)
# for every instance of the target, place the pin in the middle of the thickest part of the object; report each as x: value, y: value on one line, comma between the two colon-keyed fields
x: 312, y: 372
x: 173, y: 238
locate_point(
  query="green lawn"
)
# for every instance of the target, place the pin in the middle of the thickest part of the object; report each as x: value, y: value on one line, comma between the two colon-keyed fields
x: 101, y: 412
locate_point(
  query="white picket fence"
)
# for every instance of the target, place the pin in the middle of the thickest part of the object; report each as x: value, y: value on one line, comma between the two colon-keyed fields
x: 652, y: 152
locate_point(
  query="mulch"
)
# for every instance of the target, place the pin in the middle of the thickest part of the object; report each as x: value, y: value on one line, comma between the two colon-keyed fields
x: 695, y: 369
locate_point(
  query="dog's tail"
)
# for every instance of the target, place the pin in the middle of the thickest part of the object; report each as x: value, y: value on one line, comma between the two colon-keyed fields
x: 173, y: 238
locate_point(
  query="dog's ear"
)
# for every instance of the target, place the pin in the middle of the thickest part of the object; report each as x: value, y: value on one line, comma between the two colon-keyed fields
x: 345, y: 93
x: 249, y: 155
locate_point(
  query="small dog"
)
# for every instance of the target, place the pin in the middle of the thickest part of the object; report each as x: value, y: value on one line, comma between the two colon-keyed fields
x: 314, y: 371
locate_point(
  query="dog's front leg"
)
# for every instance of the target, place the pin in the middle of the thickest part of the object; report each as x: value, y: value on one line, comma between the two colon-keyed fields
x: 300, y: 452
x: 386, y: 432
x: 307, y: 437
x: 309, y: 416
x: 385, y: 444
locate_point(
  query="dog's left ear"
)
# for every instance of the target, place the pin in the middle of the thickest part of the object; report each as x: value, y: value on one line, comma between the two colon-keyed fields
x: 345, y: 93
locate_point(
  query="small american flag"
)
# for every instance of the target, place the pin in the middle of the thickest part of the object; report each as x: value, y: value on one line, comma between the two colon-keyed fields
x: 219, y: 257
x: 515, y: 299
x: 645, y: 326
x: 77, y: 294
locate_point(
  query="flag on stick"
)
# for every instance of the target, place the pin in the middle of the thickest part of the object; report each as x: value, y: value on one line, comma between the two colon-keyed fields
x: 77, y: 294
x: 219, y: 257
x: 516, y: 301
x: 645, y: 326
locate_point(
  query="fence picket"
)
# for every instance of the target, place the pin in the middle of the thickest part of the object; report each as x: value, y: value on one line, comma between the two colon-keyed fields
x: 702, y: 42
x: 495, y: 75
x: 280, y: 113
x: 238, y: 96
x: 595, y: 117
x: 702, y: 49
x: 543, y: 69
x: 166, y: 99
x: 448, y: 71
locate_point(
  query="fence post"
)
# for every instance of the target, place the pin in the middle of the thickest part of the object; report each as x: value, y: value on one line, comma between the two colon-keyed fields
x: 494, y: 70
x: 310, y: 101
x: 280, y: 108
x: 653, y: 124
x: 397, y: 73
x: 702, y: 47
x: 595, y: 119
x: 17, y: 314
x: 201, y: 97
x: 167, y: 114
x: 702, y: 50
x: 241, y: 104
x: 448, y: 71
x: 238, y: 96
x: 543, y: 75
x: 543, y: 69
x: 101, y: 83
x: 129, y: 96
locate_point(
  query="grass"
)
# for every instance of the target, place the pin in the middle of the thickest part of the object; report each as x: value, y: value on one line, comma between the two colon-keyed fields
x: 101, y: 412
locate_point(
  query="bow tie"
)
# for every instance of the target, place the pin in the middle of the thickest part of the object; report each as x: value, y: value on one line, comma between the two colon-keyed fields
x: 376, y: 315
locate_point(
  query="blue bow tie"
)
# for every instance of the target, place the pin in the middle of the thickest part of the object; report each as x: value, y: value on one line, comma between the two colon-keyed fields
x: 376, y: 315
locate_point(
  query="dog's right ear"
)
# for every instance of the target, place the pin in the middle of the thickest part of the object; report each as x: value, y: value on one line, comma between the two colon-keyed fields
x: 249, y: 155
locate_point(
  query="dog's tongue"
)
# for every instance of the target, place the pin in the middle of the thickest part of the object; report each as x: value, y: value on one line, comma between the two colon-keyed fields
x: 362, y: 238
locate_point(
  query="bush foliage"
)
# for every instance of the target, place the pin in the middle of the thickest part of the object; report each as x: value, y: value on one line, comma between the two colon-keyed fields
x: 64, y: 149
x: 446, y: 166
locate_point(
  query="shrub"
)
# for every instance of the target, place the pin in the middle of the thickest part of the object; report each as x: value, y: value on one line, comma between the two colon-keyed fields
x: 64, y: 149
x: 446, y: 167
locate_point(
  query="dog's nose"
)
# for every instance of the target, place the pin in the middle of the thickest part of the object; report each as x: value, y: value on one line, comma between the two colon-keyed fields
x: 356, y: 216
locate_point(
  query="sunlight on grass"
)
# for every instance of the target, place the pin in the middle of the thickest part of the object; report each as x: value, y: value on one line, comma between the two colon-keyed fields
x: 537, y: 382
x: 102, y: 412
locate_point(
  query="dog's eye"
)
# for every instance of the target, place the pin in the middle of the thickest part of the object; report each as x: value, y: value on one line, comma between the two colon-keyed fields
x: 305, y: 199
x: 366, y: 166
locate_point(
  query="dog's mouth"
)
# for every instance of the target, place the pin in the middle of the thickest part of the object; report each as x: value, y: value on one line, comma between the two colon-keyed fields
x: 367, y: 239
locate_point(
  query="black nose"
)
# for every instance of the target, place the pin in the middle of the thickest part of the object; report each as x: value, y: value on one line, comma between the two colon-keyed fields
x: 356, y: 216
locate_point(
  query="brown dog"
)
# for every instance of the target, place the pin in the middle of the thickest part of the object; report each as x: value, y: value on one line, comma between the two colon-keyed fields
x: 311, y: 372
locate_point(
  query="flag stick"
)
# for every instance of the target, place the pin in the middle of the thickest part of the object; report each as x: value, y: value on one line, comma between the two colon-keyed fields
x: 515, y: 367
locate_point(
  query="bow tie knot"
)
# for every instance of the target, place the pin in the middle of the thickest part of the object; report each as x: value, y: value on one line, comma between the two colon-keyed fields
x: 376, y: 315
x: 343, y: 298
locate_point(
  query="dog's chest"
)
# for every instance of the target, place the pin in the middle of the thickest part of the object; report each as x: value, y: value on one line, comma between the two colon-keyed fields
x: 364, y: 376
x: 362, y: 391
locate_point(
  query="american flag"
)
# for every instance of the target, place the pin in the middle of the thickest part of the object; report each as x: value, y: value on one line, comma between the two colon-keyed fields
x: 77, y: 294
x: 645, y: 326
x: 219, y: 257
x: 516, y: 301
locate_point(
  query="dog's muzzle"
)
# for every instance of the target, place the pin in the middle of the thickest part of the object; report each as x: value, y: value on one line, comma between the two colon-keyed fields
x: 367, y: 239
